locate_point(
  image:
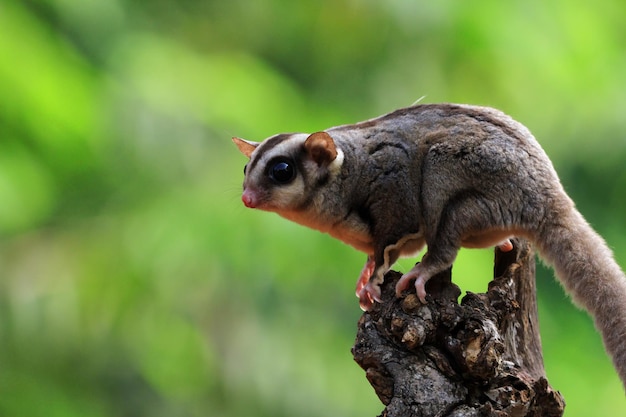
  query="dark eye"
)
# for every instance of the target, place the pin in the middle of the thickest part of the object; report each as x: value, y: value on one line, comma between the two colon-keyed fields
x: 282, y: 172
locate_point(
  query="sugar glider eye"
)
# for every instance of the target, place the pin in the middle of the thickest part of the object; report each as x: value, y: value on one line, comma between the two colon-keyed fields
x: 281, y: 171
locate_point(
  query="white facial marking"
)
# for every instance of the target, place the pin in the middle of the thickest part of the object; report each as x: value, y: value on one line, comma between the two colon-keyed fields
x: 335, y: 166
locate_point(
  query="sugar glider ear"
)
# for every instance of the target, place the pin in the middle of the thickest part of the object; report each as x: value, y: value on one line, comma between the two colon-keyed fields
x: 321, y: 147
x: 245, y: 146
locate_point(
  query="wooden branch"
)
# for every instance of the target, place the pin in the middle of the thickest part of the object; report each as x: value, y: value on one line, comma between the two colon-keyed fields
x: 481, y: 357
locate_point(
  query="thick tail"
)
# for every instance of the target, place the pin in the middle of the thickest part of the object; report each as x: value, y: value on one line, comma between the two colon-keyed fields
x: 586, y: 267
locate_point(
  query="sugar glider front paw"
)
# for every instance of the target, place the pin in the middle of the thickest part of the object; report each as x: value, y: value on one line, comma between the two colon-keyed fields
x: 368, y: 295
x: 364, y: 278
x: 367, y: 291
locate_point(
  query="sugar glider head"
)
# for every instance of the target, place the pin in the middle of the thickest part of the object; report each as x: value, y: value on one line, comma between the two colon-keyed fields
x: 285, y: 171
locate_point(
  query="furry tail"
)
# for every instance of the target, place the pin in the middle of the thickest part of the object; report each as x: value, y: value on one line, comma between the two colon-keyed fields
x: 586, y: 267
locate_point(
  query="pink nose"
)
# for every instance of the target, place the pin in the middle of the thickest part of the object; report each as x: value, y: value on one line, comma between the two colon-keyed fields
x: 249, y: 198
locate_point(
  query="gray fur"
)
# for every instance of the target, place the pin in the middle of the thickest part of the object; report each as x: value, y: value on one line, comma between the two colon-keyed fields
x: 446, y: 176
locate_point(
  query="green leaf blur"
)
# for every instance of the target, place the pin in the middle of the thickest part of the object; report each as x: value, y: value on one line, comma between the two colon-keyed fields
x: 132, y: 279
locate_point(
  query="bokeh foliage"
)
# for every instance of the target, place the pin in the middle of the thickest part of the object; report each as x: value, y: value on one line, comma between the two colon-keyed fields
x: 132, y: 280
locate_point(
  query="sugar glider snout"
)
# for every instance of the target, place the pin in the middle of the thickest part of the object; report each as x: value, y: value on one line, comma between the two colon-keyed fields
x: 250, y: 198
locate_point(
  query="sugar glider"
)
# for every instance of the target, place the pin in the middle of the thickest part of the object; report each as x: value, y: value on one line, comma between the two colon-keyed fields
x: 443, y: 176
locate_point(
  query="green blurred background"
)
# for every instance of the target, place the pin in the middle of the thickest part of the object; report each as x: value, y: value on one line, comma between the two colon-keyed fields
x: 133, y: 282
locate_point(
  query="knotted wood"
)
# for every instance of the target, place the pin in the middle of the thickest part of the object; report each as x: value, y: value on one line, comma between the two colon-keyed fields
x: 479, y: 357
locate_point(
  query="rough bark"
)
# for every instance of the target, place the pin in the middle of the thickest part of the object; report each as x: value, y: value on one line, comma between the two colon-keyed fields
x: 481, y: 357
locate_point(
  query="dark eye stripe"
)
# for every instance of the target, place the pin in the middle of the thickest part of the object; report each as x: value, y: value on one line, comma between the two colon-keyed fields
x: 268, y: 144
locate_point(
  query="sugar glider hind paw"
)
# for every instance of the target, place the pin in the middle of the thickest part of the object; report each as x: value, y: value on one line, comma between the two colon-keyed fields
x: 506, y: 246
x: 420, y: 277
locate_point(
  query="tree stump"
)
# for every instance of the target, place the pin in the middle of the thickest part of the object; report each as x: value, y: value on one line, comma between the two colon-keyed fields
x: 481, y: 357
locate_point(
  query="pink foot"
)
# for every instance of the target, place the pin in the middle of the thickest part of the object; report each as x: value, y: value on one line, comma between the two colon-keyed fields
x: 369, y: 294
x: 364, y: 278
x: 365, y: 290
x: 366, y: 302
x: 506, y: 246
x: 420, y: 278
